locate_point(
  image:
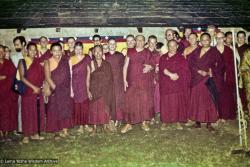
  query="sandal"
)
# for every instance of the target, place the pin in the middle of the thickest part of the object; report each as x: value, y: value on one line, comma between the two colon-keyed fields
x: 164, y: 126
x: 145, y: 127
x: 57, y: 137
x: 37, y: 137
x: 88, y: 129
x: 126, y: 128
x: 25, y: 140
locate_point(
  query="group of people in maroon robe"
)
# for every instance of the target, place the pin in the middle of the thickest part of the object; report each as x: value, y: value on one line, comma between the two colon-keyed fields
x: 192, y: 82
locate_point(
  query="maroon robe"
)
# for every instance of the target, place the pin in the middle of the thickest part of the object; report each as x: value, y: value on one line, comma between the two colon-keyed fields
x: 201, y: 106
x: 155, y: 58
x: 8, y: 109
x: 102, y: 105
x: 34, y: 75
x: 139, y: 102
x: 45, y: 56
x: 241, y: 50
x: 69, y: 54
x: 59, y: 114
x: 181, y: 47
x: 227, y: 91
x: 188, y: 81
x: 185, y: 42
x: 81, y: 102
x: 173, y: 93
x: 117, y: 61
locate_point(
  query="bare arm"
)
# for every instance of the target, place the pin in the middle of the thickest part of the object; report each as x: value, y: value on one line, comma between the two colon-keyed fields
x: 24, y: 80
x: 71, y: 87
x: 88, y: 83
x: 173, y: 76
x: 2, y: 77
x: 48, y: 75
x: 125, y: 71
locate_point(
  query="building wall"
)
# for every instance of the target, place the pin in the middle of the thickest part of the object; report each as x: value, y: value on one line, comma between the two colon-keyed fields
x: 7, y: 35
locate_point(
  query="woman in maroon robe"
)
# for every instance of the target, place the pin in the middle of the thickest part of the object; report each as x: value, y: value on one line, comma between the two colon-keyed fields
x: 116, y: 59
x: 78, y: 64
x: 202, y: 63
x: 226, y: 77
x: 100, y: 88
x: 57, y: 74
x: 7, y: 121
x: 139, y: 102
x: 173, y: 69
x: 33, y: 79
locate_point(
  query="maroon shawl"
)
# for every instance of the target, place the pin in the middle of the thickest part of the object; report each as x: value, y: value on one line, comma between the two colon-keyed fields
x: 79, y: 73
x: 102, y: 85
x: 60, y: 101
x: 175, y: 64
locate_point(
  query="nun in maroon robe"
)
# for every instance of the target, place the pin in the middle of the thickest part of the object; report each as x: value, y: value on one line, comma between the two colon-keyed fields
x: 8, y: 111
x: 226, y: 85
x: 117, y: 60
x: 35, y: 76
x: 81, y: 101
x: 201, y: 107
x: 59, y: 114
x: 173, y: 92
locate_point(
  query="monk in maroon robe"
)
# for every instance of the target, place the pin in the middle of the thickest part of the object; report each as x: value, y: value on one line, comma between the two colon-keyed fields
x: 44, y: 52
x: 33, y: 79
x: 185, y: 39
x: 78, y: 64
x: 71, y: 50
x: 139, y: 106
x: 188, y: 52
x: 202, y: 64
x: 57, y: 74
x: 7, y: 121
x: 242, y: 47
x: 226, y: 80
x: 155, y: 58
x: 173, y: 68
x: 116, y: 59
x: 100, y: 88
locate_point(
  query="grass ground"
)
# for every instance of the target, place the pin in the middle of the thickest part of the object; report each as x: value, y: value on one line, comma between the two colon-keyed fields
x: 171, y: 148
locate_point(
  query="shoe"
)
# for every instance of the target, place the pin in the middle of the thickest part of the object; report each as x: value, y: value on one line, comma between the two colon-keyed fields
x: 126, y: 128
